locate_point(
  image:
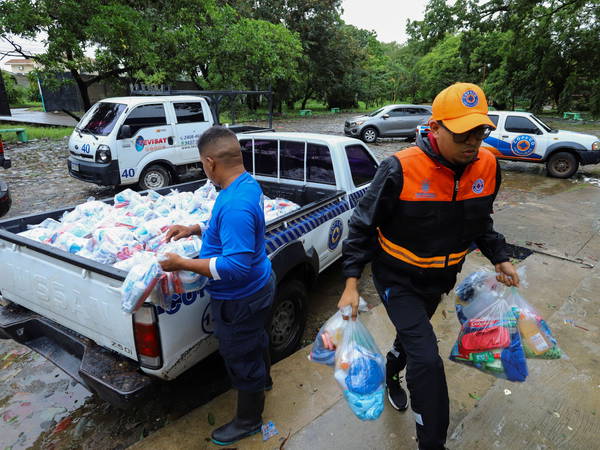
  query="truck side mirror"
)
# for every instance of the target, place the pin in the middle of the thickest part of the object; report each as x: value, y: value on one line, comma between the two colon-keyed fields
x: 124, y: 132
x: 385, y: 116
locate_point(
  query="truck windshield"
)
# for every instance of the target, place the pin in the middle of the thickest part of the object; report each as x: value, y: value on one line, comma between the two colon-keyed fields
x: 102, y: 118
x: 543, y: 124
x: 374, y: 113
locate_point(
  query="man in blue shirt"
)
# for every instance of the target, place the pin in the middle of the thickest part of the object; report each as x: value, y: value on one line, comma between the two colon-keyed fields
x: 241, y: 283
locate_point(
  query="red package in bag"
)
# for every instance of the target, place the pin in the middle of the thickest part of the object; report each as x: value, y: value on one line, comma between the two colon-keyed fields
x: 485, y: 339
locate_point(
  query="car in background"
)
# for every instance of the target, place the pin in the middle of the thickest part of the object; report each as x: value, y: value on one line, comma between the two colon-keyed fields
x: 389, y: 121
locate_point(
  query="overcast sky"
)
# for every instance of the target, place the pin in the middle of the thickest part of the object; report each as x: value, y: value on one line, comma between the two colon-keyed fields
x: 386, y: 17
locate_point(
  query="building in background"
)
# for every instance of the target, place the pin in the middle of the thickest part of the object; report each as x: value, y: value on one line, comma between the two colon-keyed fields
x: 20, y: 66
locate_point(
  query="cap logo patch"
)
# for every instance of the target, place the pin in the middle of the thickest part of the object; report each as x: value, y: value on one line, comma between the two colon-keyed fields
x: 470, y: 99
x: 478, y: 186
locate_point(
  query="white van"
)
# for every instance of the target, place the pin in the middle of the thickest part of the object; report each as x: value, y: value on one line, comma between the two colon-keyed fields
x: 148, y: 140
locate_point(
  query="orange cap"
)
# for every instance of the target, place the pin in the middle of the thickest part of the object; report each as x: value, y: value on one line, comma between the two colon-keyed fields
x: 461, y: 107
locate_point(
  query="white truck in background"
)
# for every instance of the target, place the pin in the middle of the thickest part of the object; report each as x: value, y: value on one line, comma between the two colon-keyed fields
x: 522, y: 136
x: 145, y: 140
x: 68, y: 308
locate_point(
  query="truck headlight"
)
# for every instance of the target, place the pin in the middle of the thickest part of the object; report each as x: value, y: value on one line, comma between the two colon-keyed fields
x: 357, y: 124
x: 103, y: 154
x: 596, y: 145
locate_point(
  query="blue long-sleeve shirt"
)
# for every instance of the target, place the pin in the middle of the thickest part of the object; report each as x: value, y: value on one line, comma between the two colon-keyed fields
x: 235, y: 241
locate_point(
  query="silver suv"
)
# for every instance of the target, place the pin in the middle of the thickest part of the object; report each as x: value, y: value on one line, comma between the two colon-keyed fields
x: 389, y: 121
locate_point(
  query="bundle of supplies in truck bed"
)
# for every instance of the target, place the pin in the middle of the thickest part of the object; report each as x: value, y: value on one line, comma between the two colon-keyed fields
x: 130, y: 235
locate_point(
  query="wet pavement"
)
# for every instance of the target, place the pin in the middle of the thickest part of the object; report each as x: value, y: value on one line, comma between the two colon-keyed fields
x: 41, y: 407
x: 24, y: 115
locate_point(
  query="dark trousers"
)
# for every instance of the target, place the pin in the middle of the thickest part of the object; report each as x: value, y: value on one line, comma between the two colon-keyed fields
x: 416, y: 349
x: 240, y: 327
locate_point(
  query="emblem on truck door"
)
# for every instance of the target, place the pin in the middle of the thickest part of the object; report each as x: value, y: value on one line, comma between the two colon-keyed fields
x: 335, y: 234
x: 523, y: 145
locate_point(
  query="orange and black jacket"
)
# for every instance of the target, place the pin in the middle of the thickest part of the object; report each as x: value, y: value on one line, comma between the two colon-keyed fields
x: 420, y: 216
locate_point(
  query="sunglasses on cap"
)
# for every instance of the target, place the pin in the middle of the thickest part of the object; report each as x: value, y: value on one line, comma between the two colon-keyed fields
x: 479, y: 133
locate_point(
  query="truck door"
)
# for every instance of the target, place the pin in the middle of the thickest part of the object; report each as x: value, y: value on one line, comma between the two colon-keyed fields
x: 522, y: 139
x: 191, y: 122
x: 150, y: 133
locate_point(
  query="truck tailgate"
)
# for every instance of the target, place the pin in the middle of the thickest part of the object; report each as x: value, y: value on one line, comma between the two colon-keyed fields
x: 82, y: 300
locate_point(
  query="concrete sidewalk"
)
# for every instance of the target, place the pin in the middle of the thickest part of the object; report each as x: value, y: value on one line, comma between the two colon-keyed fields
x: 557, y: 407
x: 23, y: 115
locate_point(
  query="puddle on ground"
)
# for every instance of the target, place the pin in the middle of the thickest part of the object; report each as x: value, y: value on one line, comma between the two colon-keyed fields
x: 43, y: 408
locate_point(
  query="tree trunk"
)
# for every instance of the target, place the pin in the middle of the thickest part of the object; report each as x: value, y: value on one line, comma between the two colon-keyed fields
x: 83, y: 89
x: 4, y: 106
x: 306, y: 98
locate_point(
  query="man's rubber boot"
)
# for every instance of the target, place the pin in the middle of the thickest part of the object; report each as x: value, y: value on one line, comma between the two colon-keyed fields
x: 396, y: 395
x: 248, y: 420
x: 267, y: 359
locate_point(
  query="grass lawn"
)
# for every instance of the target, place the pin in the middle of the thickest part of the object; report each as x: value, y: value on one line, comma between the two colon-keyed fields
x: 34, y: 132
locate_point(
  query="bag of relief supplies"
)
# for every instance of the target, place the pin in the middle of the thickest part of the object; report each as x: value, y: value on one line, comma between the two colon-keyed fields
x: 331, y: 333
x: 359, y: 370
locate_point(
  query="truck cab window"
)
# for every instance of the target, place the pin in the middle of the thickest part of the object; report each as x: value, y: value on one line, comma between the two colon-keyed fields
x: 494, y: 118
x: 246, y: 146
x: 103, y: 118
x: 318, y: 164
x: 291, y: 160
x: 362, y: 164
x: 265, y: 157
x: 189, y: 112
x: 518, y: 124
x: 146, y: 116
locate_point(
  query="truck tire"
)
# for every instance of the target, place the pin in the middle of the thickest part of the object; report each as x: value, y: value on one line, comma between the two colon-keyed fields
x: 155, y: 177
x: 288, y: 318
x: 369, y: 135
x: 562, y: 165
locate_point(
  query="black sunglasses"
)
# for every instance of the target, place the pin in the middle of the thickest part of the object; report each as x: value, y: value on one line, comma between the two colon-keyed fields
x: 479, y: 133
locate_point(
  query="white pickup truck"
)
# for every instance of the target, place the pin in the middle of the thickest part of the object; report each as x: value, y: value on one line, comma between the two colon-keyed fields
x: 522, y: 136
x: 68, y: 308
x: 148, y: 140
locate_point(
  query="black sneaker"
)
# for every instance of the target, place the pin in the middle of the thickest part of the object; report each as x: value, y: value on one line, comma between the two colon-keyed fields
x: 397, y: 395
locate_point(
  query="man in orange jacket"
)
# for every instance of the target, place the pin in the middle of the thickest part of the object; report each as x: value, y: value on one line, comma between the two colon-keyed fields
x: 425, y: 207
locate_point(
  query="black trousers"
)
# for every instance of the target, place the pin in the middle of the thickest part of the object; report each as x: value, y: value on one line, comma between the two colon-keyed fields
x: 240, y: 327
x: 416, y: 349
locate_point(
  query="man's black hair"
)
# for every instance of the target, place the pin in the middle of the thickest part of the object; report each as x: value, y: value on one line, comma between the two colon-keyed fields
x: 213, y: 135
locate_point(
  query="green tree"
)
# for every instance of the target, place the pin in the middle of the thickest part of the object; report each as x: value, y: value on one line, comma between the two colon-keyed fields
x: 120, y: 36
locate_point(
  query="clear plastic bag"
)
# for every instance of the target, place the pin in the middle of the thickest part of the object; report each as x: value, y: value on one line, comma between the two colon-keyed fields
x: 479, y: 290
x: 536, y: 336
x: 360, y: 371
x: 490, y: 341
x: 139, y: 284
x: 331, y: 333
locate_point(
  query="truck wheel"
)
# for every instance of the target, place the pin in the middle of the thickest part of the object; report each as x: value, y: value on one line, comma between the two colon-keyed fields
x: 288, y: 319
x: 155, y: 177
x: 369, y: 135
x: 562, y: 165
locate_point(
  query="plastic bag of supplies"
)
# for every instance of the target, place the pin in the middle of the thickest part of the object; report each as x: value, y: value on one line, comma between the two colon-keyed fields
x: 331, y: 333
x: 359, y: 370
x: 139, y: 284
x: 536, y: 337
x: 489, y: 340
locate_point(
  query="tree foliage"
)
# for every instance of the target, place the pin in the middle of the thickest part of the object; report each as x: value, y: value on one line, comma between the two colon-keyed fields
x: 523, y: 53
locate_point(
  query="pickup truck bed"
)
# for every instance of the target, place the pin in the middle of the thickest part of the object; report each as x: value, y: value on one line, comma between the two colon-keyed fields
x: 67, y: 308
